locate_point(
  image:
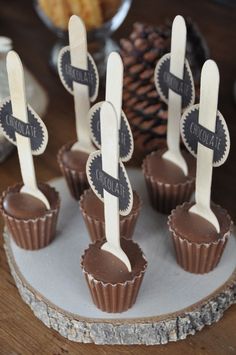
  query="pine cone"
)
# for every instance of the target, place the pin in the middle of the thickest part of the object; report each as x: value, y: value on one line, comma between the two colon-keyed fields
x: 145, y: 110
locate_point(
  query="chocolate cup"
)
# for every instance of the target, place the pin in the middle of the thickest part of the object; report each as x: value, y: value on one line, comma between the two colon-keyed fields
x: 164, y: 197
x: 195, y: 257
x: 96, y: 227
x: 36, y: 233
x: 114, y: 297
x: 77, y: 181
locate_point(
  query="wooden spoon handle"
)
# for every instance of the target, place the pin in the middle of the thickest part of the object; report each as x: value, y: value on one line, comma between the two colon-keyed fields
x: 177, y: 59
x: 207, y: 118
x: 114, y: 83
x: 19, y: 110
x: 78, y: 53
x: 110, y: 163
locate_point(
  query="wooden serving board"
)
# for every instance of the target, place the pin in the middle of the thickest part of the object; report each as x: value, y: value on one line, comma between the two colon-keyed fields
x: 171, y: 303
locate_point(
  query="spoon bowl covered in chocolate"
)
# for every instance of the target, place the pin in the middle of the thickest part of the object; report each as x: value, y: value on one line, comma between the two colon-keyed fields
x: 23, y: 206
x: 30, y: 224
x: 113, y: 288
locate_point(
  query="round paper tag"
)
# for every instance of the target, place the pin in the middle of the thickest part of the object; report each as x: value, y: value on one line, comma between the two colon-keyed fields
x: 193, y: 133
x: 69, y: 74
x: 164, y: 80
x: 35, y: 129
x: 100, y: 180
x: 125, y: 135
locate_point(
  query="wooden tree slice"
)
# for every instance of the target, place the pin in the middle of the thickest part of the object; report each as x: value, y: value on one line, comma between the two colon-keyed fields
x: 171, y: 303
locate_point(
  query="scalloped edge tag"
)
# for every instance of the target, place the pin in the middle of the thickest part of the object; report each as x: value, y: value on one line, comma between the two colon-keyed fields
x: 68, y: 73
x: 164, y: 80
x: 35, y: 129
x: 126, y: 141
x: 99, y: 180
x: 193, y: 133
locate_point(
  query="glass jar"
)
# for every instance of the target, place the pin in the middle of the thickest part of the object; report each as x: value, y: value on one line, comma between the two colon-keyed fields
x: 100, y: 43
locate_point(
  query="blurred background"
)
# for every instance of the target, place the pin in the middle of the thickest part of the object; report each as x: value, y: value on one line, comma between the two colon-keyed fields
x: 140, y: 30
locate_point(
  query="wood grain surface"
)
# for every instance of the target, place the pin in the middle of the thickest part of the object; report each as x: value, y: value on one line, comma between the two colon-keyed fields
x: 20, y: 331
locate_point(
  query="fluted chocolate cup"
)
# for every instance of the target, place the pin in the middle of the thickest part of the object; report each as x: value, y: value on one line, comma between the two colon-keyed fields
x: 73, y: 168
x: 167, y: 185
x: 198, y: 247
x: 113, y: 289
x: 92, y: 210
x: 32, y: 233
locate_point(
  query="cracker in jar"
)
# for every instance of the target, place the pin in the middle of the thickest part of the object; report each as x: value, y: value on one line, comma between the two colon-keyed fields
x: 57, y: 11
x: 60, y: 13
x: 45, y: 7
x: 75, y: 7
x: 91, y: 13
